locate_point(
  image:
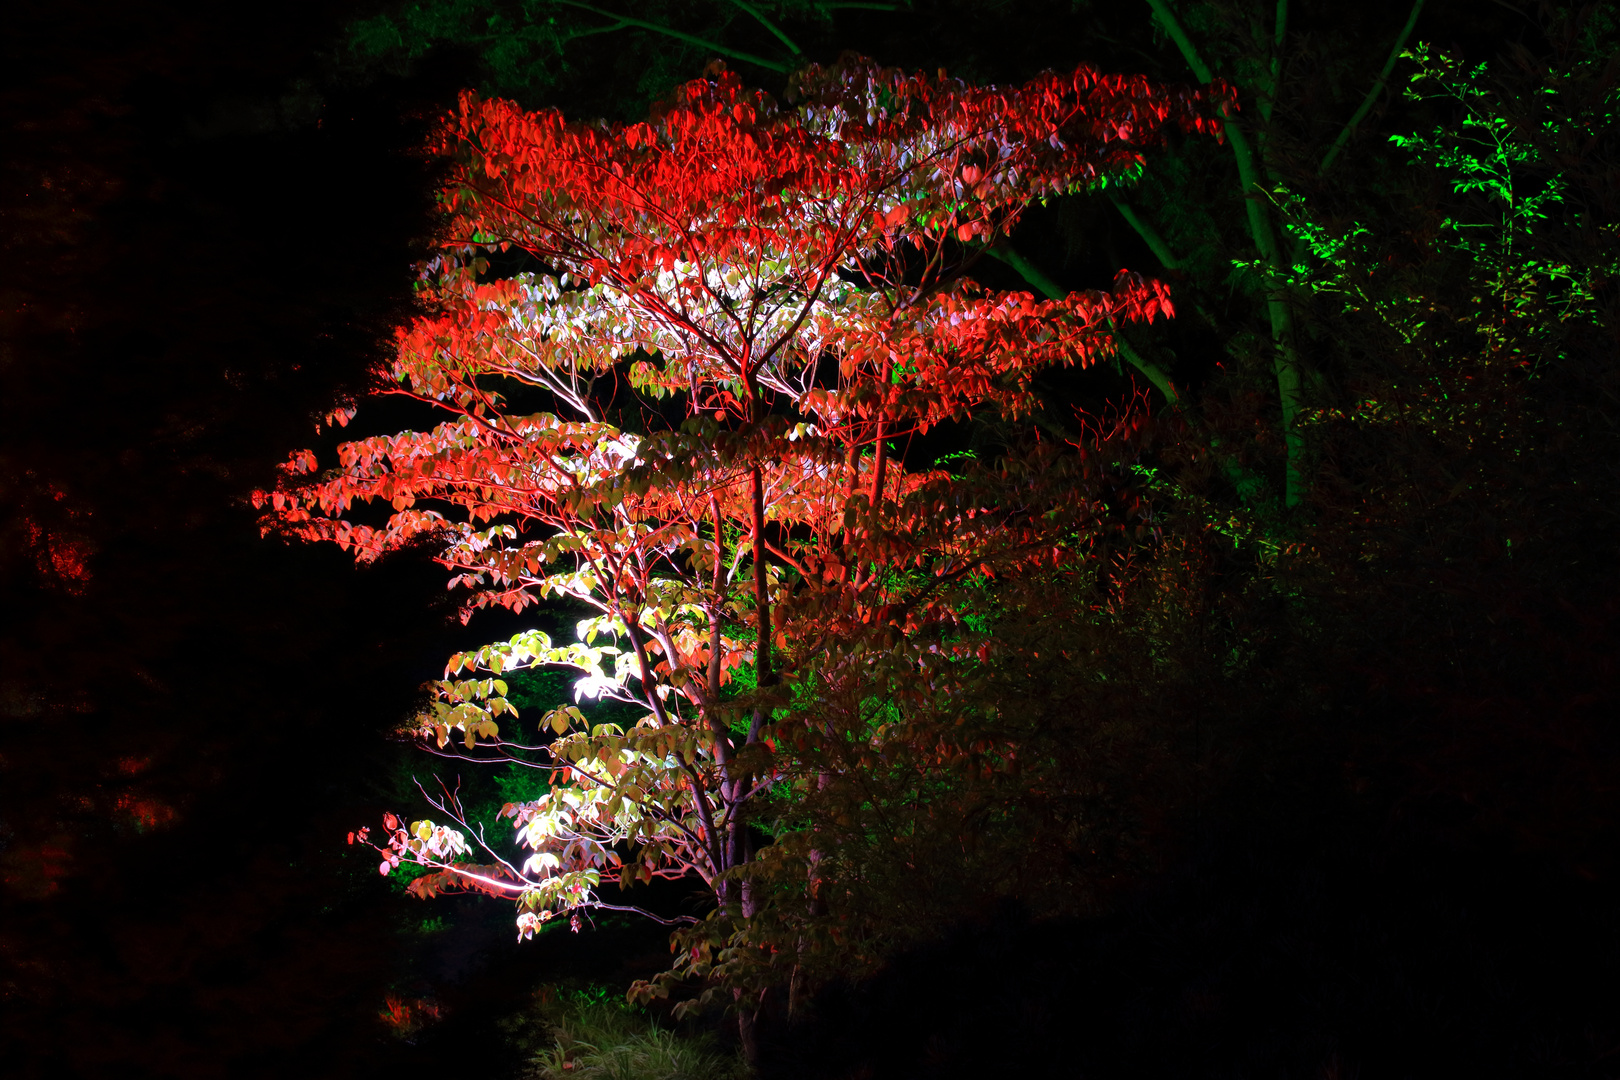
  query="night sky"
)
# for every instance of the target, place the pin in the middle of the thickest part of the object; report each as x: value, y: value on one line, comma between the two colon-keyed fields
x: 207, y: 239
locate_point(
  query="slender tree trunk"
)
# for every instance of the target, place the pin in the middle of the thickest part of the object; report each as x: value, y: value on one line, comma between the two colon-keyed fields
x: 1285, y: 361
x: 742, y: 846
x: 815, y: 906
x: 748, y: 1027
x: 712, y: 676
x: 762, y: 598
x: 748, y: 1011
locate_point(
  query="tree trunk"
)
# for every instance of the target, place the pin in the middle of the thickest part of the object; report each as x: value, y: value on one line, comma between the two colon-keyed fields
x: 815, y: 906
x: 747, y: 1032
x: 762, y: 597
x: 748, y: 1012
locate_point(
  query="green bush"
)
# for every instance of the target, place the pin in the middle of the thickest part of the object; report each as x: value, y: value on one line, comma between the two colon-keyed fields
x: 593, y: 1034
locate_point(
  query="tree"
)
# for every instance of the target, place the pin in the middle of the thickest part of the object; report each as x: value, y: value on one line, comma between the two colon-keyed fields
x: 1464, y: 489
x: 1309, y: 80
x: 682, y: 407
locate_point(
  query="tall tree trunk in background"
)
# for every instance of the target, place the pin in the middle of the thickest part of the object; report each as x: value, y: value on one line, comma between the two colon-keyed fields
x: 1285, y: 360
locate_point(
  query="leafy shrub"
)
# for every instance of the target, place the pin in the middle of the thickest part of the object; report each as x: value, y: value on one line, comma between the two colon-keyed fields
x: 592, y: 1034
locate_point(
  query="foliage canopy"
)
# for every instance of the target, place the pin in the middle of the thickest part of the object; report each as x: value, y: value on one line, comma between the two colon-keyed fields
x: 732, y: 319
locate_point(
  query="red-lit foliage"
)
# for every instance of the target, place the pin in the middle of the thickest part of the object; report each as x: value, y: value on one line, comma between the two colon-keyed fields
x: 61, y: 554
x: 736, y: 312
x: 405, y: 1016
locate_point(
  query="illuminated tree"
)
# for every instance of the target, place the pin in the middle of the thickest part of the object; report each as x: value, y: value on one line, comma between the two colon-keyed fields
x: 729, y: 316
x: 1307, y: 93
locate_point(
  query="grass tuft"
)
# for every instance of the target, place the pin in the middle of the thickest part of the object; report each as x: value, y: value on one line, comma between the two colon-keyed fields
x: 592, y: 1034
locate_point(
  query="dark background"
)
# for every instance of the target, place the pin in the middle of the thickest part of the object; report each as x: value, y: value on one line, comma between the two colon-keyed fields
x: 208, y: 235
x: 198, y: 254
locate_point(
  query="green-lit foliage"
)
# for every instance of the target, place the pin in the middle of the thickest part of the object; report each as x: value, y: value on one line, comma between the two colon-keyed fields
x: 1465, y: 341
x: 1460, y: 293
x: 591, y: 1033
x: 1511, y: 190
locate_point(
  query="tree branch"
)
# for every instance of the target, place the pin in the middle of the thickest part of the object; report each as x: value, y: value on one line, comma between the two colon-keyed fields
x: 1279, y: 35
x: 1268, y: 100
x: 1031, y: 273
x: 767, y: 24
x: 1156, y: 243
x: 1372, y: 95
x: 659, y: 28
x: 679, y: 920
x: 1284, y: 361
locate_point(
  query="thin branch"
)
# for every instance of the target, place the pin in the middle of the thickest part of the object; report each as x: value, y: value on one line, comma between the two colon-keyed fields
x: 1033, y: 274
x: 659, y: 28
x: 712, y: 682
x: 679, y: 920
x: 700, y: 800
x: 1373, y: 94
x: 767, y: 24
x: 785, y: 557
x: 460, y: 818
x: 1006, y: 253
x: 576, y: 35
x: 1153, y: 372
x: 504, y: 759
x: 1189, y: 52
x: 1268, y: 100
x: 632, y: 630
x: 1278, y: 37
x: 1156, y: 243
x: 764, y: 785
